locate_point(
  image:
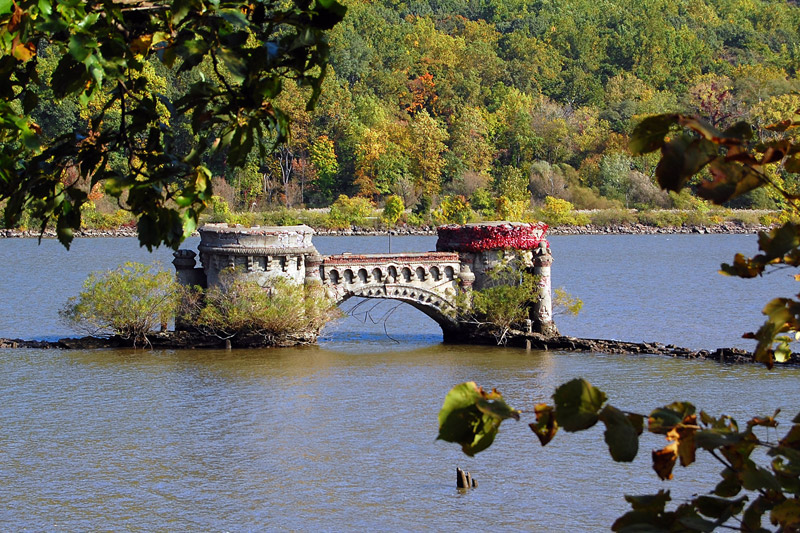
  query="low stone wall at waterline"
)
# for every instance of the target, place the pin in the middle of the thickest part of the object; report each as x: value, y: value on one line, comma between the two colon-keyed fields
x: 516, y: 339
x: 164, y: 340
x: 562, y: 343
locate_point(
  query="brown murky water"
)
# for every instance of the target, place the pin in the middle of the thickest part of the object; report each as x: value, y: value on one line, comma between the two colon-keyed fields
x: 340, y: 436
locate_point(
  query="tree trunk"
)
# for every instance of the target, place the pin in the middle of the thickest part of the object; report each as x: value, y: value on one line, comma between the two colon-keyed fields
x: 286, y: 158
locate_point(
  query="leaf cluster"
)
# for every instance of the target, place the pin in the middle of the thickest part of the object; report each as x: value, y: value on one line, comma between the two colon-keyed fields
x: 471, y: 417
x: 746, y: 493
x: 101, y: 48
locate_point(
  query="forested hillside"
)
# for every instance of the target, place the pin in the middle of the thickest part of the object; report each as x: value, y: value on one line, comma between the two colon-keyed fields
x: 508, y: 99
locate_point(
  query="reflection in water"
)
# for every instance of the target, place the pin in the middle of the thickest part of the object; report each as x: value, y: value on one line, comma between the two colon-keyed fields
x: 341, y: 435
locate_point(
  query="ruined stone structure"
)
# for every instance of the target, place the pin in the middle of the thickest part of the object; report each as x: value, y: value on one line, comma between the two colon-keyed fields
x: 429, y: 281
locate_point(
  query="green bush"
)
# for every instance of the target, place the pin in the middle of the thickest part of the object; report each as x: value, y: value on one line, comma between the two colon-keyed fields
x: 611, y: 217
x: 393, y: 210
x: 700, y: 218
x: 26, y: 221
x: 94, y: 219
x: 506, y: 301
x: 129, y: 301
x: 241, y: 308
x: 244, y: 218
x: 282, y: 217
x: 558, y: 212
x: 220, y: 210
x: 346, y: 212
x: 687, y: 201
x: 750, y: 218
x: 423, y: 206
x: 453, y: 210
x: 511, y: 210
x: 416, y: 220
x: 588, y: 198
x: 662, y: 219
x: 482, y: 201
x: 315, y: 219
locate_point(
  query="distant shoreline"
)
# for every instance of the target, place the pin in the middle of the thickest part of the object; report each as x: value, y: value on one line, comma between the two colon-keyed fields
x: 730, y: 228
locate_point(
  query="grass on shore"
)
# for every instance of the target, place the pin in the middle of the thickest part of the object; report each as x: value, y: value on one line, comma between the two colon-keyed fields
x: 662, y: 218
x: 321, y: 219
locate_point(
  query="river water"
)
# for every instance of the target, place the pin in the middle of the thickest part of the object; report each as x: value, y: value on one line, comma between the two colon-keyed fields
x: 340, y: 436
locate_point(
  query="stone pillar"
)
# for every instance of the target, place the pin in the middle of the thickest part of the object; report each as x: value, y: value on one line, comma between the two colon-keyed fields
x: 542, y: 311
x: 188, y: 276
x: 466, y: 276
x: 185, y: 270
x: 313, y: 262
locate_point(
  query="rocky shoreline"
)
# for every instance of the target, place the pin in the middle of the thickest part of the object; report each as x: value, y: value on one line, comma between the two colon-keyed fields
x: 164, y: 340
x: 612, y: 229
x: 575, y: 344
x: 183, y: 340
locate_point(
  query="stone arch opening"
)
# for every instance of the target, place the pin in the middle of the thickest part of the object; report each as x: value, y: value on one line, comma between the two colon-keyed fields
x: 335, y: 277
x: 362, y: 275
x: 420, y: 273
x: 406, y: 274
x: 377, y: 274
x: 430, y: 303
x: 392, y: 274
x: 435, y: 273
x: 371, y: 318
x: 449, y: 273
x: 348, y: 276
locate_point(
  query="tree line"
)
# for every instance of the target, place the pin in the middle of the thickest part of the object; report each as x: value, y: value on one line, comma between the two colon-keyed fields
x: 482, y: 105
x: 517, y: 100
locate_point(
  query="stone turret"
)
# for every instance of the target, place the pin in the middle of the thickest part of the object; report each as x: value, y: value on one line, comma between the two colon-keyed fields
x: 259, y: 253
x: 485, y: 246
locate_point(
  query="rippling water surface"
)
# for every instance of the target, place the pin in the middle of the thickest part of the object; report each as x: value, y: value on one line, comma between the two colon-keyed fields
x: 340, y: 436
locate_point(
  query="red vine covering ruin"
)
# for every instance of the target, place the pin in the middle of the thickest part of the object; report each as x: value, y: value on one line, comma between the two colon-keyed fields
x: 491, y: 236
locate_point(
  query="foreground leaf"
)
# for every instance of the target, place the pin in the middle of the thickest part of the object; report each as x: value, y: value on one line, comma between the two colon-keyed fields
x: 662, y: 420
x: 545, y: 426
x: 648, y: 514
x: 578, y: 404
x: 621, y: 436
x: 649, y: 134
x: 471, y: 417
x: 664, y: 460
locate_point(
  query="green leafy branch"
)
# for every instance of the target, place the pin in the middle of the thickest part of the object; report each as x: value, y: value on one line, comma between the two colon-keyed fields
x: 746, y: 493
x: 102, y: 48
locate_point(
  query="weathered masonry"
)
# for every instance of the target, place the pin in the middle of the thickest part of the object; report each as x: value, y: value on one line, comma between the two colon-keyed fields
x: 429, y: 281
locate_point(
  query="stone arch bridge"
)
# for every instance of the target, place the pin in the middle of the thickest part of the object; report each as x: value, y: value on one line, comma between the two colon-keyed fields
x: 429, y: 281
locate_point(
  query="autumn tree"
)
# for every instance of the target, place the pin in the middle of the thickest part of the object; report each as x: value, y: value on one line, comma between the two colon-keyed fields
x: 323, y: 157
x: 425, y: 146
